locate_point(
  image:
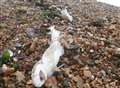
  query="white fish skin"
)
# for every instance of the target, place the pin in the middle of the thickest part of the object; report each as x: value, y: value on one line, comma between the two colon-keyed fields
x: 46, y: 66
x: 55, y: 34
x: 66, y: 15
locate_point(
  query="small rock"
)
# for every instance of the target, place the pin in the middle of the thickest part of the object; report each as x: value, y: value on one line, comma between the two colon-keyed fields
x: 112, y: 27
x: 76, y: 78
x: 64, y: 43
x: 99, y: 20
x: 87, y: 73
x: 73, y: 46
x: 70, y: 39
x: 92, y: 77
x: 80, y: 83
x: 19, y: 51
x: 117, y: 51
x: 86, y: 85
x: 15, y: 59
x: 33, y: 45
x: 51, y: 82
x: 90, y: 62
x: 11, y: 85
x: 91, y: 51
x: 39, y: 2
x: 4, y: 68
x: 19, y: 76
x: 85, y: 23
x: 90, y: 34
x: 110, y: 50
x: 97, y: 61
x: 77, y: 58
x: 103, y: 72
x: 59, y: 75
x: 7, y: 70
x: 86, y: 68
x: 10, y: 52
x: 65, y: 83
x: 18, y: 45
x: 30, y: 32
x: 29, y: 82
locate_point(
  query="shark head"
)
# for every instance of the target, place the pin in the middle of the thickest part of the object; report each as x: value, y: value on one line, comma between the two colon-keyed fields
x: 55, y: 34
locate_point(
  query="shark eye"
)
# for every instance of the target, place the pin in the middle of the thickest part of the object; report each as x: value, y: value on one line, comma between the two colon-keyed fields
x: 47, y: 30
x: 42, y: 76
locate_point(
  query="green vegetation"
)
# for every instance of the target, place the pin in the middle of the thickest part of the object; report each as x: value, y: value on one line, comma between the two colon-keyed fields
x: 5, y: 56
x: 15, y: 65
x: 3, y: 25
x: 49, y: 14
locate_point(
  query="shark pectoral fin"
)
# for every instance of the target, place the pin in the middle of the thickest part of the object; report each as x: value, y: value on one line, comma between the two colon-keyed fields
x: 58, y: 68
